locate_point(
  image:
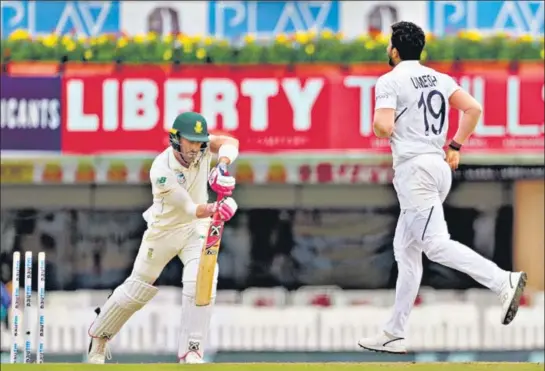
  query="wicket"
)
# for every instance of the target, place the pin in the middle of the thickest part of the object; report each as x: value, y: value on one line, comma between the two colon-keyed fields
x: 27, y: 308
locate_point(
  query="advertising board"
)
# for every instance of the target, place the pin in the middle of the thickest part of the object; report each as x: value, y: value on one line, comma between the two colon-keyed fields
x: 87, y: 18
x: 30, y: 113
x: 164, y: 17
x: 516, y: 17
x: 275, y: 110
x: 233, y: 19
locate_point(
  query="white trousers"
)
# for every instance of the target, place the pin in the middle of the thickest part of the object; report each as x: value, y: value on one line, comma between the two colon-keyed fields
x: 159, y: 247
x: 422, y: 185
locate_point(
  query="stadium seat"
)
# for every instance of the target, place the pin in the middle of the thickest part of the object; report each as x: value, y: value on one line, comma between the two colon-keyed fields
x: 321, y: 296
x: 265, y: 297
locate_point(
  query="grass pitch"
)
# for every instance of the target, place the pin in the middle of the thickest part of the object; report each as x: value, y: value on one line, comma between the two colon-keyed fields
x: 282, y: 367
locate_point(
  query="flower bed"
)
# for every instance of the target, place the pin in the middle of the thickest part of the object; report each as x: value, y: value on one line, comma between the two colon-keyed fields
x: 323, y: 47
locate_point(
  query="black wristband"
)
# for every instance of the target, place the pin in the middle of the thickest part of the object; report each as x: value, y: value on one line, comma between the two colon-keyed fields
x: 455, y: 146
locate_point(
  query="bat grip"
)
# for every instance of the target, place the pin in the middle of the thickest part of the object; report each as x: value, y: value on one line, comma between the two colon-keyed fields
x: 220, y: 197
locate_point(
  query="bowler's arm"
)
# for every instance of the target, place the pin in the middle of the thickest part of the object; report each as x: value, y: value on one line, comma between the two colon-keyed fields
x: 225, y: 147
x: 471, y: 112
x: 385, y: 107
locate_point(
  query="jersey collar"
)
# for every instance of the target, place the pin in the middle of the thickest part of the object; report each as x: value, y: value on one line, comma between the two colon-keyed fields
x: 173, y: 163
x: 408, y: 64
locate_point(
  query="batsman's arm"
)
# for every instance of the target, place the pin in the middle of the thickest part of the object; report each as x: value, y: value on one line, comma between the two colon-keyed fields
x: 165, y: 185
x: 181, y: 198
x: 225, y: 147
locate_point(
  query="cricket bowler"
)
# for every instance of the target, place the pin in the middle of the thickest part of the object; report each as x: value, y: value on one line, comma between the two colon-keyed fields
x: 177, y: 225
x: 411, y: 109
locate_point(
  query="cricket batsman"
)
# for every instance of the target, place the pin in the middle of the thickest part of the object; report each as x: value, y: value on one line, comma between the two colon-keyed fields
x: 178, y: 222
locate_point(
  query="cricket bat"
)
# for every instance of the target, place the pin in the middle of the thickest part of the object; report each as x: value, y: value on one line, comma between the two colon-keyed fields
x: 209, y: 258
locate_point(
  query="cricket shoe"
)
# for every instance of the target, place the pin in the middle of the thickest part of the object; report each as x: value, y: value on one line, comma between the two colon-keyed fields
x: 510, y: 296
x: 384, y: 343
x: 98, y: 348
x: 98, y: 351
x: 193, y: 358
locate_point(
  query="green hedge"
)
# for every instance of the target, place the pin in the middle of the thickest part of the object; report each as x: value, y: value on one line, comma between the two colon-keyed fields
x: 325, y: 46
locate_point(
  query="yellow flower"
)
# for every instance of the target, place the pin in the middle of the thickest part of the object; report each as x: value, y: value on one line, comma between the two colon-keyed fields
x: 102, y: 39
x: 281, y: 38
x: 196, y: 38
x: 122, y: 42
x: 82, y: 39
x: 168, y: 38
x: 88, y: 54
x: 326, y: 34
x: 382, y: 38
x: 429, y: 37
x: 472, y: 35
x: 310, y: 49
x: 370, y: 44
x: 542, y: 54
x: 184, y: 39
x: 70, y: 45
x: 93, y: 40
x: 139, y: 38
x: 167, y: 55
x: 19, y: 35
x: 201, y: 53
x: 339, y: 35
x: 312, y: 33
x: 526, y: 38
x: 249, y: 38
x: 224, y: 43
x: 188, y: 48
x: 50, y: 40
x: 208, y: 40
x: 151, y: 36
x: 66, y: 39
x: 301, y: 37
x: 424, y: 56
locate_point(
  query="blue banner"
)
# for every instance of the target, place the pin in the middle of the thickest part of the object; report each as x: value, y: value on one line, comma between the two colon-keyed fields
x: 30, y: 113
x: 517, y: 17
x: 89, y: 18
x: 233, y: 19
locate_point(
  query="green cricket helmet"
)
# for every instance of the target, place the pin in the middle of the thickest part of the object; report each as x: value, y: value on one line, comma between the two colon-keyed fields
x: 191, y: 126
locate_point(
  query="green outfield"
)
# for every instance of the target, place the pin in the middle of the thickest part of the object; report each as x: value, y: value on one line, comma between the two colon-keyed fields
x: 285, y: 367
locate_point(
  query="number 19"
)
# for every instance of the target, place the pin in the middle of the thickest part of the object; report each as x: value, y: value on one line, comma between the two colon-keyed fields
x: 438, y: 115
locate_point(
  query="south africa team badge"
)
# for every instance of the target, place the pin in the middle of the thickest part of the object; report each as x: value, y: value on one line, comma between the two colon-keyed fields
x: 180, y: 177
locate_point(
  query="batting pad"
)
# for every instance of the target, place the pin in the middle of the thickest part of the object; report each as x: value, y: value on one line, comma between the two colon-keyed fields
x: 128, y: 298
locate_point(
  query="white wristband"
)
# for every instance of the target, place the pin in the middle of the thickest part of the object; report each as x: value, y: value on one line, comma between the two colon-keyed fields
x: 228, y: 151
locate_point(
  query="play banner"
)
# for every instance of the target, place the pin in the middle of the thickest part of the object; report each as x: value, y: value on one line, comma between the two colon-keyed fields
x: 31, y: 113
x: 274, y: 110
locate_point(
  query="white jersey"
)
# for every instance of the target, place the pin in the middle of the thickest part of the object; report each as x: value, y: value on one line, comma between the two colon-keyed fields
x: 166, y: 173
x: 420, y: 96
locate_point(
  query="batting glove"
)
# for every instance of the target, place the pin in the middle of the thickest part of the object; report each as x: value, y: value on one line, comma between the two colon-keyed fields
x: 220, y: 181
x: 226, y: 208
